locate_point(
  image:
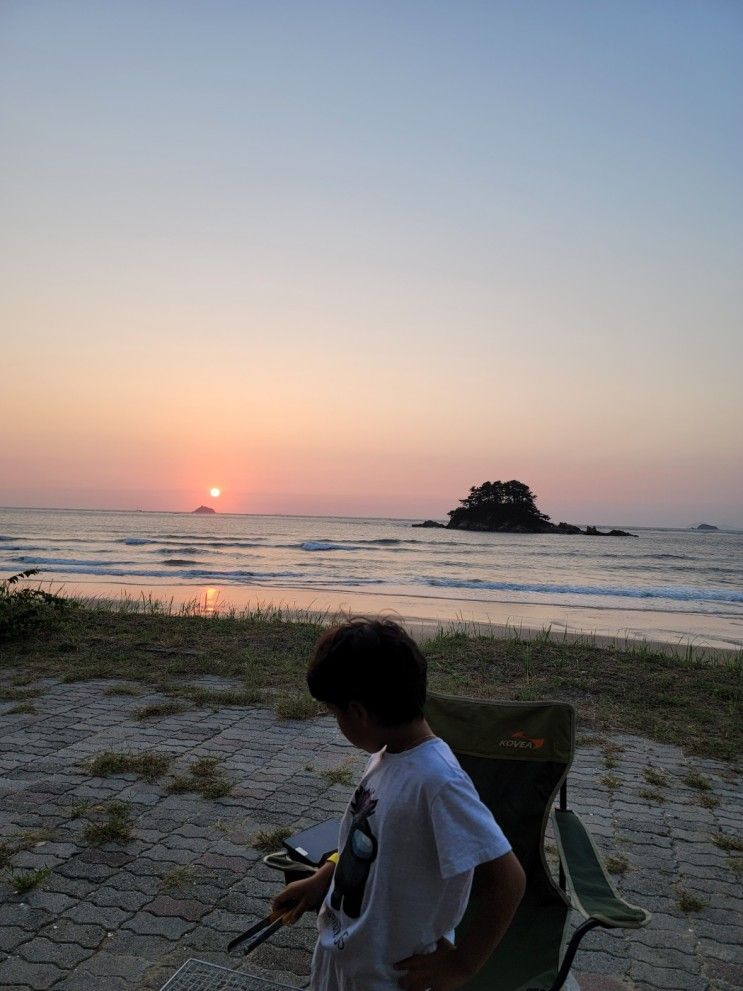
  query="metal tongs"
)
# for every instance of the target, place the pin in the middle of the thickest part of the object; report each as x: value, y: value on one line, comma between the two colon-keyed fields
x: 260, y: 932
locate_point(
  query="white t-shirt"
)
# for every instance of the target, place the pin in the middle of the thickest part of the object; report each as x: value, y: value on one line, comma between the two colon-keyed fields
x: 410, y: 840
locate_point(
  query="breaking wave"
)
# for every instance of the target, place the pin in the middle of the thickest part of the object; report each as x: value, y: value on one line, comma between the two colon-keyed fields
x: 678, y: 593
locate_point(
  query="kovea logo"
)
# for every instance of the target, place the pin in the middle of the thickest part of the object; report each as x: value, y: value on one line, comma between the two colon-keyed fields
x: 520, y: 741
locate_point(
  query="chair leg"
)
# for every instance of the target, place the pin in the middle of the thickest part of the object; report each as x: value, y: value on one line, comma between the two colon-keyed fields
x: 571, y: 950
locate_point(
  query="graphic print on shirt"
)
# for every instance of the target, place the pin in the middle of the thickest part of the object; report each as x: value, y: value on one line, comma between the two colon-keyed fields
x: 359, y: 853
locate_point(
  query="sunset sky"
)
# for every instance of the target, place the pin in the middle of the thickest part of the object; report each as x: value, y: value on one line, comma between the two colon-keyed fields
x: 352, y: 258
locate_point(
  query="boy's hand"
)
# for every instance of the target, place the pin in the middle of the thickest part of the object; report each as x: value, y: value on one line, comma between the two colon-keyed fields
x: 442, y: 970
x: 302, y: 896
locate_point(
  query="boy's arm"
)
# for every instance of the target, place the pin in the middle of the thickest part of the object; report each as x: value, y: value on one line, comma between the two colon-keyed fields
x: 497, y: 890
x: 301, y: 896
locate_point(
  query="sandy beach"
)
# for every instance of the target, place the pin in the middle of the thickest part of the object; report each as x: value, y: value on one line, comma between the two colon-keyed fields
x: 427, y: 613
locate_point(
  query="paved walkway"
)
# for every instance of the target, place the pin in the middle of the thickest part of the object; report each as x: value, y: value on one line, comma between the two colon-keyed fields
x: 126, y: 916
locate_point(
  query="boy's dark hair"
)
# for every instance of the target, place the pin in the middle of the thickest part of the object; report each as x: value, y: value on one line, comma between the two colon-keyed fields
x: 373, y: 662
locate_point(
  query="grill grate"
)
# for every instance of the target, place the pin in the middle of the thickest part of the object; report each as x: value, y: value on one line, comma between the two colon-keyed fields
x: 197, y: 975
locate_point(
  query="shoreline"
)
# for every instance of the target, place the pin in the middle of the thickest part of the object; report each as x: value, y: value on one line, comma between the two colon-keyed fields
x: 655, y: 629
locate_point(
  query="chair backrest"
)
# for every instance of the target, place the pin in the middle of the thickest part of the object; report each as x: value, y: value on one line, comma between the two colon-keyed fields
x: 518, y: 754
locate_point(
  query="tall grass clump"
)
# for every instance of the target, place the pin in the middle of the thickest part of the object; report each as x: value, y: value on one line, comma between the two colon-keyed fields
x: 24, y: 610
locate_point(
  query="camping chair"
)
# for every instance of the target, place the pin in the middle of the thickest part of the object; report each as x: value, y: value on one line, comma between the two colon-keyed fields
x: 518, y: 755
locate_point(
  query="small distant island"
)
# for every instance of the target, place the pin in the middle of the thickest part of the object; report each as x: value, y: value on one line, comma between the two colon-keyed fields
x: 706, y: 526
x: 204, y: 509
x: 509, y: 507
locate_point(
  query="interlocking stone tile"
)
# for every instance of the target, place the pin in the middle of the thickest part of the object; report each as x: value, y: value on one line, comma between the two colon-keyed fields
x: 152, y: 925
x: 38, y: 976
x: 66, y: 956
x: 87, y: 913
x: 119, y: 892
x: 184, y: 908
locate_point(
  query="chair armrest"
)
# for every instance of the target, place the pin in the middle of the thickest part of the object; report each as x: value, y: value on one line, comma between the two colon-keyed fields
x: 592, y: 892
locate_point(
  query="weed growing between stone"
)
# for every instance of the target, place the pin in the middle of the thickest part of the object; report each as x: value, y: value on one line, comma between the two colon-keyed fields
x: 729, y: 843
x: 270, y: 840
x: 147, y: 766
x: 22, y: 882
x: 111, y: 824
x: 652, y: 795
x: 655, y: 776
x: 698, y: 781
x: 159, y: 709
x: 687, y: 901
x: 205, y: 779
x: 617, y: 865
x: 343, y: 774
x: 24, y: 709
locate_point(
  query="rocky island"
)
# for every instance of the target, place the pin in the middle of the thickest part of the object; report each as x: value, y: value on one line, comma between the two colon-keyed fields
x: 706, y: 526
x: 509, y: 507
x: 204, y: 509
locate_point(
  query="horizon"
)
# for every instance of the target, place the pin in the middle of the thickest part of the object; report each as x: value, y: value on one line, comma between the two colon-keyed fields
x: 691, y: 527
x: 351, y: 261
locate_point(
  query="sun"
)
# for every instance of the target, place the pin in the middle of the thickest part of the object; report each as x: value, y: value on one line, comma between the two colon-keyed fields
x: 215, y: 492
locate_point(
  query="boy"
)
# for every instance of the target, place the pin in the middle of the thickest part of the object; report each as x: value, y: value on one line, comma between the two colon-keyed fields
x: 413, y: 839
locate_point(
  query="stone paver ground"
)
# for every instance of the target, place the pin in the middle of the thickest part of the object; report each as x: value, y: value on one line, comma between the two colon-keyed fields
x: 127, y: 916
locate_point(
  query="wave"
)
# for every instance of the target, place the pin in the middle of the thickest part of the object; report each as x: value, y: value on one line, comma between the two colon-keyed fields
x: 113, y: 570
x: 677, y: 593
x: 178, y: 562
x: 180, y: 547
x: 53, y: 561
x: 167, y: 543
x: 326, y: 545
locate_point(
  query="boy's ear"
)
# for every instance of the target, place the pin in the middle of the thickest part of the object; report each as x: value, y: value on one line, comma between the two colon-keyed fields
x: 359, y: 712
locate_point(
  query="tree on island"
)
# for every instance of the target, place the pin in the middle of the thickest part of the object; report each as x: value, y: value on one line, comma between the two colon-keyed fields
x: 500, y: 504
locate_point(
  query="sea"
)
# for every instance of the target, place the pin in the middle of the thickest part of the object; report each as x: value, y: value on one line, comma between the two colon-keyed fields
x: 670, y: 585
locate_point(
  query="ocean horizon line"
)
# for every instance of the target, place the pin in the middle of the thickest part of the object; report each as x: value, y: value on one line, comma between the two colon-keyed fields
x: 719, y: 528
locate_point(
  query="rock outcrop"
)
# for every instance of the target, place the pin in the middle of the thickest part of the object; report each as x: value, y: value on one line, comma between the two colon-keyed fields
x: 204, y: 509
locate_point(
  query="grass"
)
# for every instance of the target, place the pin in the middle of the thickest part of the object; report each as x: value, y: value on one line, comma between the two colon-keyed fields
x: 25, y: 840
x: 697, y: 781
x: 124, y: 690
x: 227, y: 696
x: 159, y: 709
x: 610, y: 781
x: 687, y: 901
x: 652, y: 795
x: 24, y: 709
x: 24, y: 881
x: 180, y: 877
x: 343, y: 774
x: 735, y: 864
x: 733, y: 844
x: 292, y: 706
x: 204, y: 778
x: 617, y: 865
x: 18, y: 694
x: 147, y: 766
x: 112, y: 824
x: 655, y: 776
x: 270, y: 840
x: 707, y: 801
x: 688, y: 698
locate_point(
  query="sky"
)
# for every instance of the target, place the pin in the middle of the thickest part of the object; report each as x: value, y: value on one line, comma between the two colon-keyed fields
x: 353, y: 258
